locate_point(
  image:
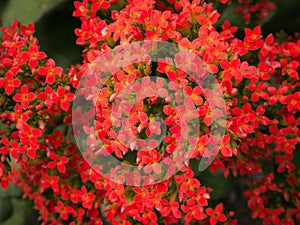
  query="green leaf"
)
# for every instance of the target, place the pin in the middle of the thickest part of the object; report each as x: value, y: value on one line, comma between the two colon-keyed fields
x: 22, y: 212
x: 11, y: 191
x: 26, y: 11
x: 234, y: 18
x: 6, y: 209
x: 14, y: 209
x: 221, y: 186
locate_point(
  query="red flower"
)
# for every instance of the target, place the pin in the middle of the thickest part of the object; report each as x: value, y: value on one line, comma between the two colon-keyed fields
x: 153, y: 128
x: 33, y: 55
x: 203, y: 141
x: 63, y: 210
x: 49, y: 181
x: 87, y: 198
x: 167, y: 67
x: 290, y: 68
x: 9, y: 147
x: 18, y: 116
x: 186, y: 181
x: 49, y: 97
x: 276, y: 95
x: 292, y: 101
x: 9, y: 83
x: 58, y: 162
x: 268, y: 46
x: 50, y: 71
x: 81, y: 9
x: 216, y: 215
x: 25, y: 97
x: 231, y: 69
x: 225, y: 148
x: 28, y: 137
x: 195, y: 94
x: 174, y: 209
x: 5, y: 181
x: 194, y: 212
x: 65, y: 98
x: 258, y: 91
x: 252, y: 39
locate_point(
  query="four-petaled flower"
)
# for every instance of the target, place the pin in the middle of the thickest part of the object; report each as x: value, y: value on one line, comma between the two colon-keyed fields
x: 33, y: 56
x: 186, y: 181
x: 65, y: 97
x: 216, y: 214
x: 9, y: 83
x: 25, y: 97
x: 59, y: 162
x: 50, y: 71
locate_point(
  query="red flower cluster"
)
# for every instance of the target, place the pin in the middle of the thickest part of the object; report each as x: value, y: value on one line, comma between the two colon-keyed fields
x: 260, y: 83
x: 262, y: 206
x: 252, y: 11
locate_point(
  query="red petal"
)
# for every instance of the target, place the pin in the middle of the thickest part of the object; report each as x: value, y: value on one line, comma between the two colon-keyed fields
x: 17, y: 98
x: 70, y: 97
x: 176, y: 213
x: 222, y: 218
x: 179, y: 179
x: 213, y: 68
x: 50, y: 63
x: 194, y: 182
x: 208, y: 120
x: 9, y: 89
x: 64, y: 159
x: 162, y: 187
x: 226, y: 151
x: 168, y: 110
x: 50, y: 79
x: 24, y: 104
x: 148, y: 132
x: 255, y: 97
x: 219, y: 208
x: 61, y: 168
x: 64, y: 106
x: 42, y: 71
x: 36, y: 132
x: 33, y: 48
x: 210, y: 211
x: 32, y: 63
x: 31, y: 153
x: 24, y: 56
x: 175, y: 130
x: 213, y: 221
x: 57, y: 70
x: 61, y: 91
x: 31, y: 96
x: 104, y: 5
x: 24, y: 89
x: 51, y: 165
x: 172, y: 75
x: 42, y: 96
x: 16, y: 83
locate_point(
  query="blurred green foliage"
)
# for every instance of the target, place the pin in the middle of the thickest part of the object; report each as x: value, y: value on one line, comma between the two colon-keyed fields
x: 13, y: 209
x: 26, y: 11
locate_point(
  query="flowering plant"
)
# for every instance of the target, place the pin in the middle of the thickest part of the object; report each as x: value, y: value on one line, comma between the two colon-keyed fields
x: 232, y: 101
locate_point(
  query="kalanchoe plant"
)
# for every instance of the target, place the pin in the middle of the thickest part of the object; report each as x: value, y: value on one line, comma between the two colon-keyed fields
x: 259, y: 79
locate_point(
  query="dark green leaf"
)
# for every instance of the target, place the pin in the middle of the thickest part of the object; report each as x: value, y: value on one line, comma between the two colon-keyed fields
x: 26, y: 11
x: 6, y: 209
